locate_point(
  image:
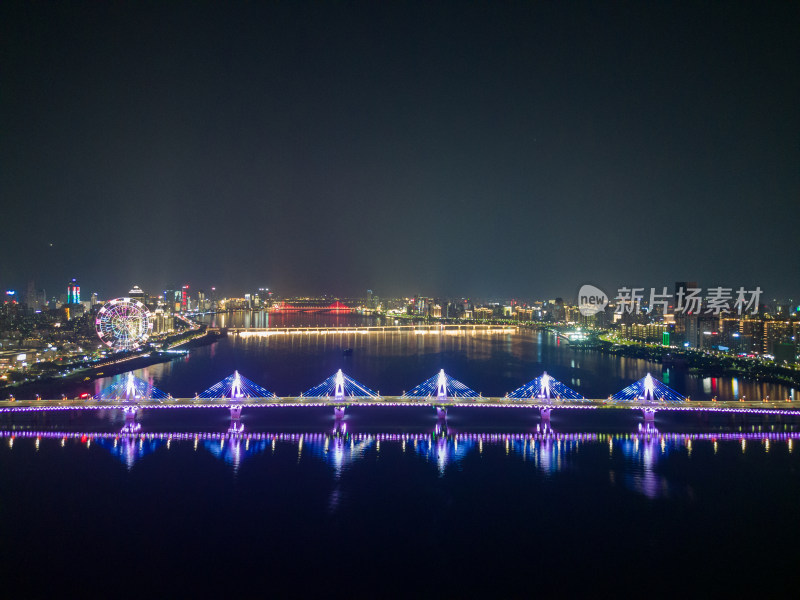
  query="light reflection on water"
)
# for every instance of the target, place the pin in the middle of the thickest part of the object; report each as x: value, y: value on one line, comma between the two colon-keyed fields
x: 632, y: 459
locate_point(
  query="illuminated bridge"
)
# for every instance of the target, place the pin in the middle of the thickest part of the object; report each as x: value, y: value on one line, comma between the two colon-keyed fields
x: 416, y: 329
x: 441, y: 392
x: 310, y: 306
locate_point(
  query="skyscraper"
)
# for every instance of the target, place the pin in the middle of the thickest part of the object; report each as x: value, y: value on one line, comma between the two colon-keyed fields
x: 73, y: 292
x: 686, y: 325
x: 30, y: 297
x: 138, y: 293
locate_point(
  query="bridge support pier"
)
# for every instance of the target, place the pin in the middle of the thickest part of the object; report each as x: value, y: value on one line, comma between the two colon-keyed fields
x: 544, y: 426
x: 339, y: 426
x: 131, y: 425
x: 649, y: 419
x: 441, y: 420
x: 236, y: 419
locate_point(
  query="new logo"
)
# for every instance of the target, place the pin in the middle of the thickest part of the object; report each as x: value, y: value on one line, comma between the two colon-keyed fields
x: 591, y: 300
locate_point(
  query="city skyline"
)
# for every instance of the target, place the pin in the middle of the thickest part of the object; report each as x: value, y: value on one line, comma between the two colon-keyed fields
x: 482, y: 150
x: 639, y: 295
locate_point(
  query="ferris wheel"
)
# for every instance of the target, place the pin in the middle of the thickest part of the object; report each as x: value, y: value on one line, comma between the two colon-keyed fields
x: 123, y: 324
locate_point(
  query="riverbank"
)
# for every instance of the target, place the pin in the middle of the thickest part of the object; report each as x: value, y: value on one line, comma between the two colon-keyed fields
x: 80, y: 380
x: 703, y: 364
x: 695, y: 362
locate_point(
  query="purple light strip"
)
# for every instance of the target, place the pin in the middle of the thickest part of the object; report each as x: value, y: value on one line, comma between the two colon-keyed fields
x: 399, y: 437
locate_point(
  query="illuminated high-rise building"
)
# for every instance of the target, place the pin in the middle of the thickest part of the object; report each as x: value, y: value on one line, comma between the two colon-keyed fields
x: 172, y: 298
x: 776, y: 334
x: 686, y: 323
x: 30, y: 296
x: 73, y: 292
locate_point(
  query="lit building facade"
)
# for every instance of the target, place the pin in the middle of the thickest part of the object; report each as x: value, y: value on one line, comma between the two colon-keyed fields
x: 73, y: 292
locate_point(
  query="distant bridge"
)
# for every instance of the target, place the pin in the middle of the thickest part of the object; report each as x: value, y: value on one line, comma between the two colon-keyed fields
x: 449, y: 329
x: 310, y: 306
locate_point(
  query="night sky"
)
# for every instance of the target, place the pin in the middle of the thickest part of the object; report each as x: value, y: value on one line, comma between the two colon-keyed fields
x: 466, y: 149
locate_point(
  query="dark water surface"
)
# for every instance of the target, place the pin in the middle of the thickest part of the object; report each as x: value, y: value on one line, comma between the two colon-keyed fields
x: 383, y: 514
x: 392, y: 502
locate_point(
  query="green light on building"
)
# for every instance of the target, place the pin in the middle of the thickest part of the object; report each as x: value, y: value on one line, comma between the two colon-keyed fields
x: 665, y: 339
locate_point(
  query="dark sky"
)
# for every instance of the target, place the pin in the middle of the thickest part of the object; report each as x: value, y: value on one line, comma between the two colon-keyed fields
x: 499, y: 149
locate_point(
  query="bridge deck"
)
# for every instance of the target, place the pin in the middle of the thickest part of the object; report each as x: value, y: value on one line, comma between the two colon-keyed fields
x: 312, y: 330
x: 11, y: 406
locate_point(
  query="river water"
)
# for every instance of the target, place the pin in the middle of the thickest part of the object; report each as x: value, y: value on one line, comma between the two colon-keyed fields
x: 393, y: 362
x: 393, y: 502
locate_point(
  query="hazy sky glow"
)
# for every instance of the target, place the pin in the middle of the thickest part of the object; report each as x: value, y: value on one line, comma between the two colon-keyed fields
x: 508, y: 149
